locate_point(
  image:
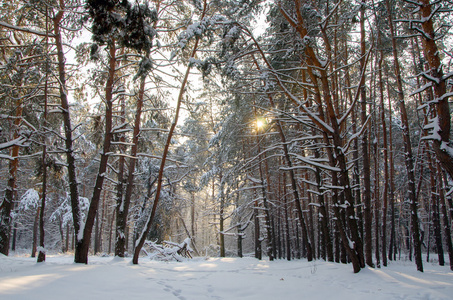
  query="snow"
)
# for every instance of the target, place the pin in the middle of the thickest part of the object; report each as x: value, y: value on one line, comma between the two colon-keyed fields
x: 216, y: 278
x: 29, y: 200
x: 20, y: 141
x: 434, y: 128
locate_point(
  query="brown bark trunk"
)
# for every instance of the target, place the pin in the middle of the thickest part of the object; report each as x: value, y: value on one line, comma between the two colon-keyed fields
x: 436, y: 212
x: 392, y: 244
x: 337, y: 159
x: 42, y: 253
x: 148, y: 225
x: 408, y: 152
x: 257, y: 240
x: 121, y: 217
x: 295, y: 191
x: 221, y: 226
x: 35, y: 233
x: 364, y: 146
x: 82, y: 246
x: 441, y: 138
x: 446, y: 221
x: 386, y: 161
x: 7, y: 203
x: 267, y: 226
x: 288, y: 236
x: 70, y: 158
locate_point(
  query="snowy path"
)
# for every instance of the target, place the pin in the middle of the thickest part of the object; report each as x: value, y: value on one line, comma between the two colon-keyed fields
x: 228, y: 278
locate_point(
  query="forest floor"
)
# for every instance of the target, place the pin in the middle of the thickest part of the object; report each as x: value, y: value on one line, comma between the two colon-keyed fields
x: 216, y: 278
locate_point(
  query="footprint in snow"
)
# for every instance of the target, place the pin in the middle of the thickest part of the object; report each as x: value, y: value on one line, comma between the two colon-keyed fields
x: 169, y: 288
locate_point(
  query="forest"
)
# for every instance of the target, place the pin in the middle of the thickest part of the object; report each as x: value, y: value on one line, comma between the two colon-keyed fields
x: 294, y: 129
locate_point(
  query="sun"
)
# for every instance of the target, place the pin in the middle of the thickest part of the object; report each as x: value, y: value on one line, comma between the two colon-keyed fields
x: 260, y: 124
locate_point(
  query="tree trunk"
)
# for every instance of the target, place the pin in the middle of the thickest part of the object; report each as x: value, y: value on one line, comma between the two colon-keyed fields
x: 288, y: 236
x: 96, y: 234
x: 69, y: 148
x: 267, y: 225
x: 258, y: 250
x: 336, y: 156
x: 408, y: 151
x: 435, y: 213
x: 7, y: 203
x: 222, y: 218
x: 61, y: 230
x: 364, y: 146
x: 83, y: 244
x: 121, y: 218
x: 392, y: 244
x: 386, y: 168
x: 148, y: 225
x: 440, y: 138
x: 42, y: 252
x: 35, y: 233
x: 295, y: 191
x: 447, y: 227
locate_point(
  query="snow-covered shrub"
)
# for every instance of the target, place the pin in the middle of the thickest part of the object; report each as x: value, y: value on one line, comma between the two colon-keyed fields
x: 168, y: 251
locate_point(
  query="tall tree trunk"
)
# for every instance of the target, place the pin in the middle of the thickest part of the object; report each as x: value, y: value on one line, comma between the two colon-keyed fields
x: 364, y: 146
x: 446, y: 225
x: 83, y: 244
x: 377, y: 200
x: 61, y: 230
x: 221, y: 217
x: 288, y: 237
x: 323, y: 213
x: 7, y: 204
x: 69, y: 143
x: 292, y: 177
x: 141, y: 240
x: 267, y: 225
x: 123, y: 210
x: 408, y: 151
x: 386, y: 161
x: 96, y: 234
x: 256, y: 219
x: 35, y: 233
x: 442, y: 122
x: 355, y: 154
x: 42, y: 252
x: 239, y: 227
x: 392, y: 244
x: 337, y: 157
x: 120, y: 241
x: 435, y: 212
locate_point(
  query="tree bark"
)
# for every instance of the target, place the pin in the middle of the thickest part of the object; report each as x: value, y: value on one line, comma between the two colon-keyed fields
x: 441, y: 138
x: 364, y: 146
x: 121, y: 217
x: 435, y: 212
x: 7, y: 203
x: 35, y: 233
x: 446, y: 221
x: 148, y: 225
x: 288, y: 236
x: 392, y: 244
x: 385, y: 162
x: 83, y: 244
x: 408, y: 151
x: 336, y: 156
x: 70, y: 156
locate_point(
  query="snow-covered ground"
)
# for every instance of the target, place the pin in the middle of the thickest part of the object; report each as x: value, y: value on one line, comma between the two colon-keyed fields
x: 216, y: 278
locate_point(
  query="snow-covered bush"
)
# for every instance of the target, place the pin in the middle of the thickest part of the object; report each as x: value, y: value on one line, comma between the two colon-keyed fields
x: 168, y: 251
